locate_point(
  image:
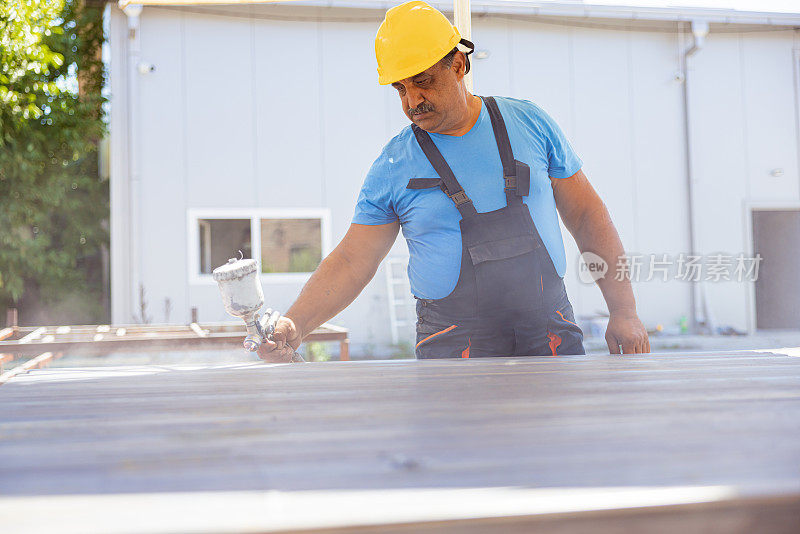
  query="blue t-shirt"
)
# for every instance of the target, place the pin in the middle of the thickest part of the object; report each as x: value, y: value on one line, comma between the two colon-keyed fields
x: 430, y: 220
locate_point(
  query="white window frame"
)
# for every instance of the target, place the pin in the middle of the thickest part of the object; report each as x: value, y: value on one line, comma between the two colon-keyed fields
x: 194, y: 215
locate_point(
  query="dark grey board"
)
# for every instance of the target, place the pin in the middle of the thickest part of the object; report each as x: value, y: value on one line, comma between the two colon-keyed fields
x: 719, y: 432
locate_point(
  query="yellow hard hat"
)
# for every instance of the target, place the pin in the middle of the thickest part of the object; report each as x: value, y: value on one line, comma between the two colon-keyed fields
x: 412, y: 38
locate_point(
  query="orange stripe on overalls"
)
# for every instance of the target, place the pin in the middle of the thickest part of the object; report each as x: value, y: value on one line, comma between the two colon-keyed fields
x: 555, y: 341
x: 567, y: 320
x: 436, y: 334
x: 465, y: 352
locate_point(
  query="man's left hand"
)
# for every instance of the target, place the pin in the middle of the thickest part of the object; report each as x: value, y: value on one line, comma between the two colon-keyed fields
x: 628, y: 332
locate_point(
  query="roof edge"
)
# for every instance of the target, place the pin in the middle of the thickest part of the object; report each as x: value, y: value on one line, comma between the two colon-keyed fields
x: 532, y: 7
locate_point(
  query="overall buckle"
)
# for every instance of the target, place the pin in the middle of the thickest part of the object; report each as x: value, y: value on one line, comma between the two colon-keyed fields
x: 511, y: 182
x: 459, y: 198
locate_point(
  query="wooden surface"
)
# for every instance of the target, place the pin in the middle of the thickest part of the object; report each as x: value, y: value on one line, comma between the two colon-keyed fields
x: 503, y: 444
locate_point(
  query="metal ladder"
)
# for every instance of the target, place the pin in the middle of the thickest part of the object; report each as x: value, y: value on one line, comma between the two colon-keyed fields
x: 402, y: 312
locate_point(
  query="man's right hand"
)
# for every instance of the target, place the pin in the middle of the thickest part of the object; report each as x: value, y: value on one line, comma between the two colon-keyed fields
x: 340, y: 277
x: 286, y: 338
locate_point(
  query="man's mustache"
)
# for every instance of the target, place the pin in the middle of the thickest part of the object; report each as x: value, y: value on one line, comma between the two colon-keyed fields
x: 422, y: 108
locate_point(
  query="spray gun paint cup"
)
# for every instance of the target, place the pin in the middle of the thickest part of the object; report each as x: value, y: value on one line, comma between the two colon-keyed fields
x: 242, y: 295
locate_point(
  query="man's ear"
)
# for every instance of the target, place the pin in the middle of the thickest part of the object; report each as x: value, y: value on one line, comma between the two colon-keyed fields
x: 459, y: 65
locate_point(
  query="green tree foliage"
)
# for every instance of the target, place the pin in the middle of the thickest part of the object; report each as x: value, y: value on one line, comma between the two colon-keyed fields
x: 52, y: 203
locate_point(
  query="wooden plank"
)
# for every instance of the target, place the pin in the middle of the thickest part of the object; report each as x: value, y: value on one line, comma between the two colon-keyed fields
x: 327, y: 327
x: 34, y: 363
x: 387, y: 446
x: 644, y: 421
x: 443, y: 510
x: 198, y: 330
x: 5, y: 358
x: 131, y: 329
x: 393, y: 498
x: 90, y: 341
x: 6, y: 333
x: 33, y: 336
x: 114, y: 343
x: 324, y: 336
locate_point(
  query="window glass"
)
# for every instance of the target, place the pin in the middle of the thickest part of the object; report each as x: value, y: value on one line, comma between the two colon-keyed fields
x: 221, y: 239
x: 290, y: 245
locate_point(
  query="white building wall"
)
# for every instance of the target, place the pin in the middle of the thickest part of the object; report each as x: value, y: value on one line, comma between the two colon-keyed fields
x: 243, y: 112
x: 167, y: 175
x: 742, y: 104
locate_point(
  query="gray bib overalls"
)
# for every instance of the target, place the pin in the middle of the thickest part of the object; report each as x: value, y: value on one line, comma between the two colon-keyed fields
x: 509, y: 299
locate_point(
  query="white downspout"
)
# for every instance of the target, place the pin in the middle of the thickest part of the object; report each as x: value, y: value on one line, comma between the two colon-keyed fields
x: 133, y: 11
x: 699, y: 32
x: 462, y: 18
x: 697, y: 294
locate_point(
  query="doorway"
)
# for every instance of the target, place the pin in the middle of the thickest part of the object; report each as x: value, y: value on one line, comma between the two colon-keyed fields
x: 776, y: 237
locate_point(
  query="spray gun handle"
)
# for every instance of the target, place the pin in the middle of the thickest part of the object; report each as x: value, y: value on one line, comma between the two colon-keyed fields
x: 268, y: 322
x: 266, y: 326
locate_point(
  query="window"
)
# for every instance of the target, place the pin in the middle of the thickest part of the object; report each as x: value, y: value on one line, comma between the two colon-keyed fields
x: 221, y: 239
x: 290, y: 243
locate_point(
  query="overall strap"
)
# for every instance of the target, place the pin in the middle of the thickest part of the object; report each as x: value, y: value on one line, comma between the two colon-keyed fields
x: 506, y: 154
x: 451, y: 187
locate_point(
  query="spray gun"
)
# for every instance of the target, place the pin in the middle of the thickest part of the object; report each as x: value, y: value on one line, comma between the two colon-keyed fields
x: 243, y: 297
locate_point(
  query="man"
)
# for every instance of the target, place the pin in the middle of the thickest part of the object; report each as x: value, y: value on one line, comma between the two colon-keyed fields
x: 476, y: 184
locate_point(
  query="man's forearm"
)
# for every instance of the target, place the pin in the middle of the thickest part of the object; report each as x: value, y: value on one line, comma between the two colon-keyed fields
x: 332, y: 287
x: 597, y: 234
x: 588, y: 220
